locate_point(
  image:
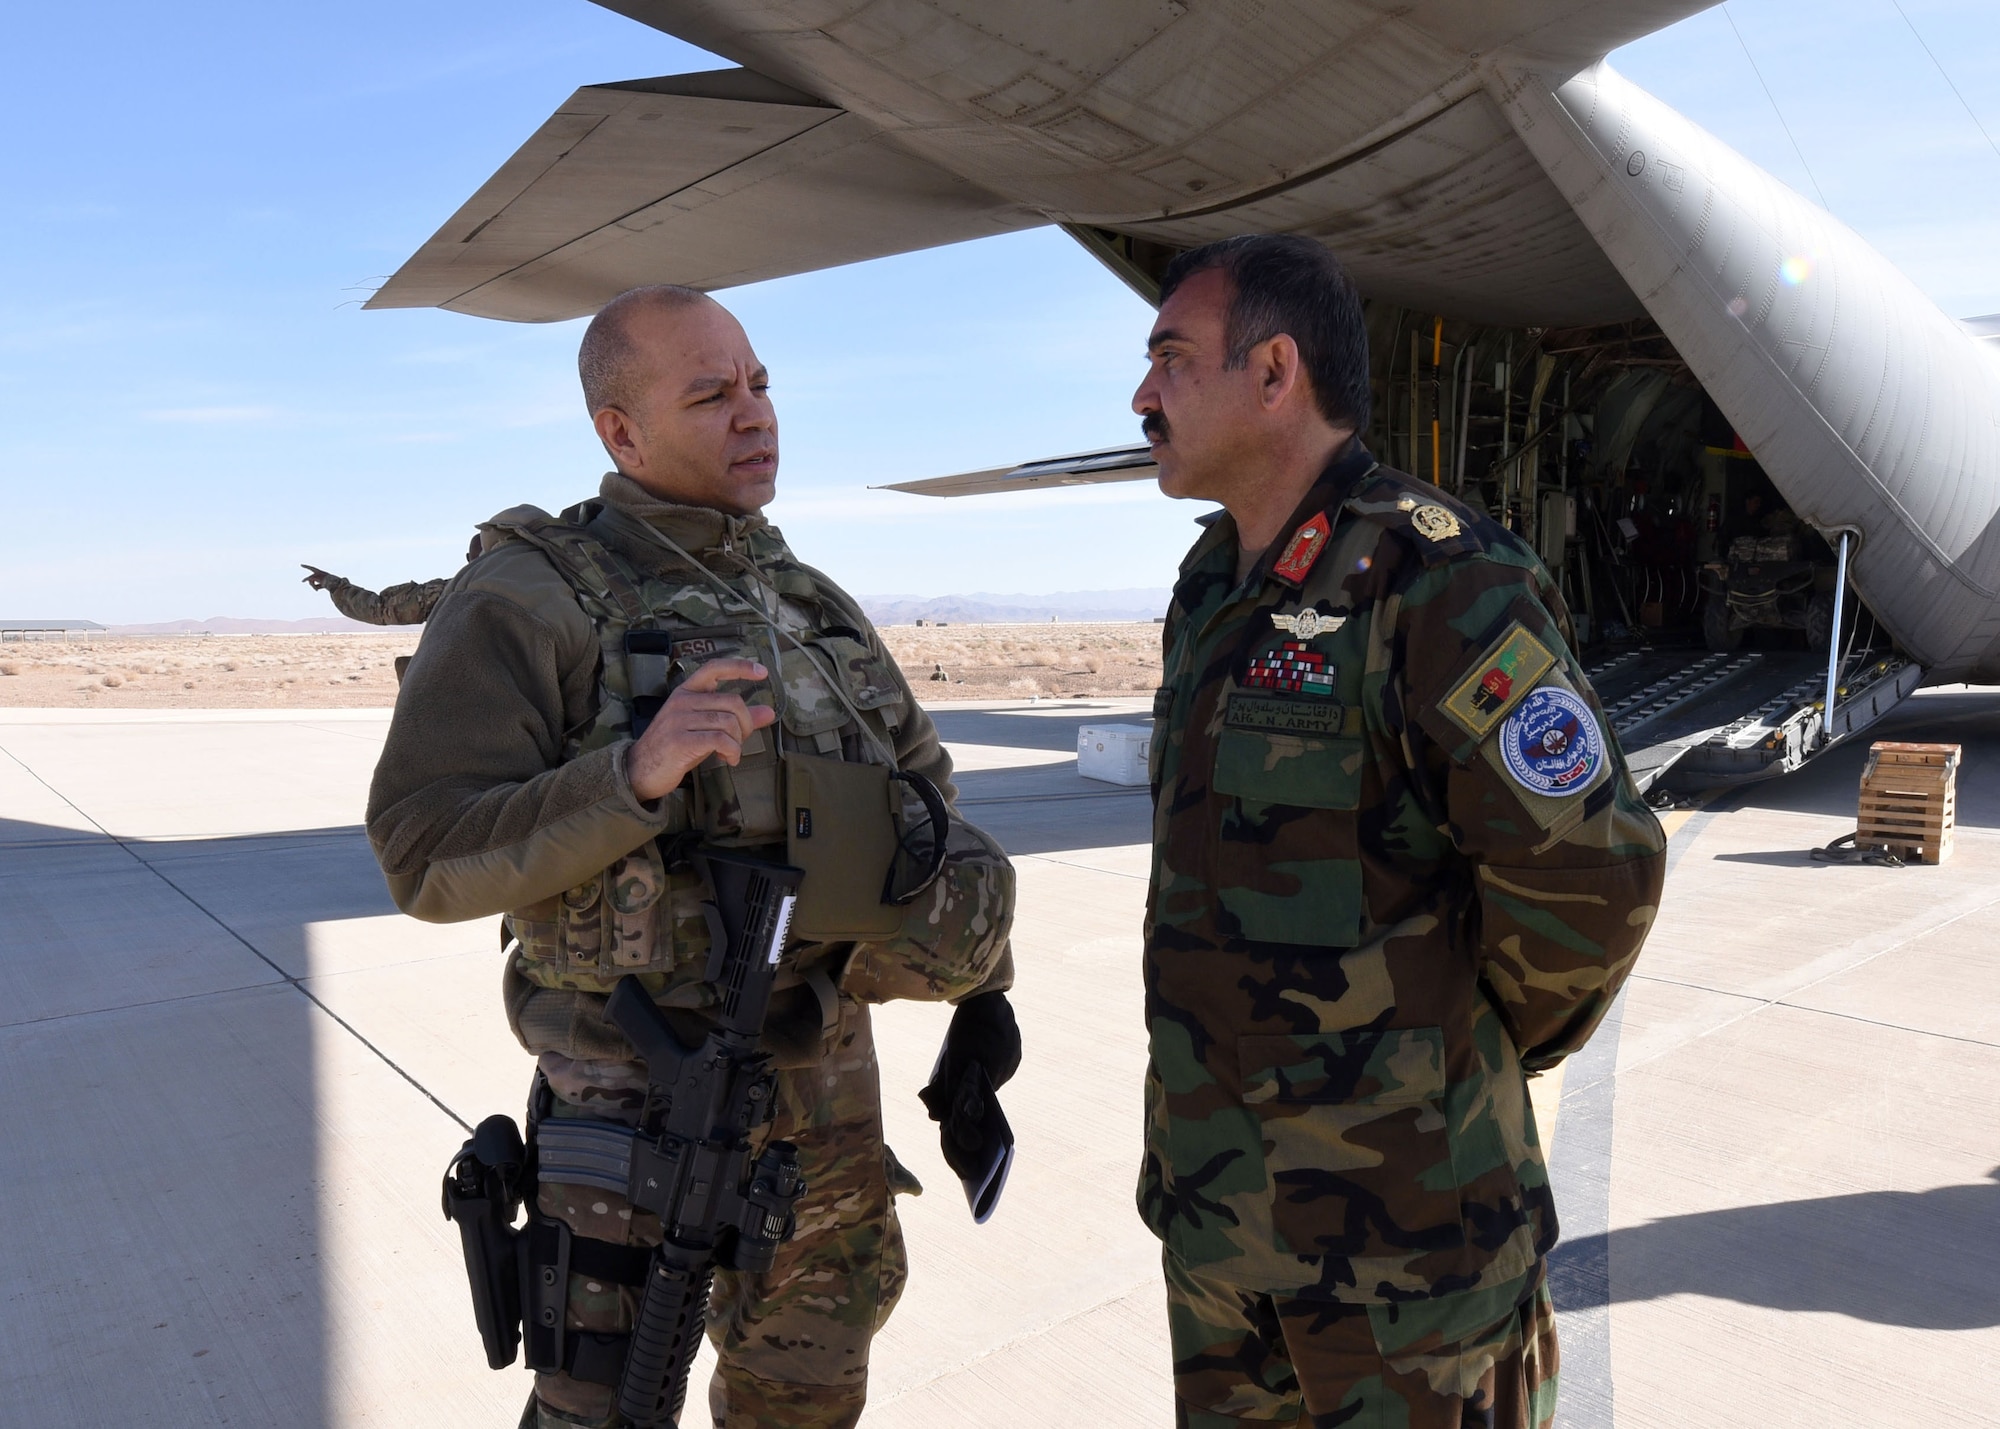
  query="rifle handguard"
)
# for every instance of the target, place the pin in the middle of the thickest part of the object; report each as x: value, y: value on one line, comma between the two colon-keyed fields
x: 666, y: 1335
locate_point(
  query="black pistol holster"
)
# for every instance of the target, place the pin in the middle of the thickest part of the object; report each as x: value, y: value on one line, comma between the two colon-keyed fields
x: 482, y: 1194
x: 520, y: 1274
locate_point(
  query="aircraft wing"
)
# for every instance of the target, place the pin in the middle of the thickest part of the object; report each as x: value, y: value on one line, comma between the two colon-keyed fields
x: 924, y: 57
x: 1082, y: 469
x: 860, y: 128
x: 706, y: 179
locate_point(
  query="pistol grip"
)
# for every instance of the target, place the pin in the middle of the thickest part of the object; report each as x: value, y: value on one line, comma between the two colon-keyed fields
x: 630, y: 1009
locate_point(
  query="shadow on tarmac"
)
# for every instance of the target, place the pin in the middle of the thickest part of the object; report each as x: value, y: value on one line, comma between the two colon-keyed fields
x: 166, y: 1264
x: 1045, y: 808
x: 1892, y: 1257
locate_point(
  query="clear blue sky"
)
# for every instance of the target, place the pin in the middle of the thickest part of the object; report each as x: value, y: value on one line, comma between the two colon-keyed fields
x: 191, y: 402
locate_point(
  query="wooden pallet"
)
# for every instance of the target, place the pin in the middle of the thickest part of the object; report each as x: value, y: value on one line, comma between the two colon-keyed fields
x: 1909, y: 795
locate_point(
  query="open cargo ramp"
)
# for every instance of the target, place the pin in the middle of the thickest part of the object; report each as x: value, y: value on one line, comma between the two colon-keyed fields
x: 1697, y: 719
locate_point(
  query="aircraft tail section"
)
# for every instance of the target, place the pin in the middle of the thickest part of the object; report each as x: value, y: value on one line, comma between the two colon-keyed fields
x: 1871, y: 410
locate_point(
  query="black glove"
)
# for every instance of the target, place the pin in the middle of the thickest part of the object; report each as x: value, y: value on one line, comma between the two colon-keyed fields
x: 981, y: 1051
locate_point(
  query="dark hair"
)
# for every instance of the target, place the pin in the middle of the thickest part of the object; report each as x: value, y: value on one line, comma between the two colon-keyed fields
x: 607, y: 359
x: 1286, y: 284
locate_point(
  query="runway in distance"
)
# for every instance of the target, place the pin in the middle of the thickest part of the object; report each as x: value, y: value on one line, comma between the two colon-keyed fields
x: 1764, y: 466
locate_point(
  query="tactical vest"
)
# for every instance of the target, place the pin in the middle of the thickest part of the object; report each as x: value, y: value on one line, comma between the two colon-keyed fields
x: 644, y: 913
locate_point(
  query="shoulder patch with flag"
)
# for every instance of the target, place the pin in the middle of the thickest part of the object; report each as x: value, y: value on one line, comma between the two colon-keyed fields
x: 1499, y: 680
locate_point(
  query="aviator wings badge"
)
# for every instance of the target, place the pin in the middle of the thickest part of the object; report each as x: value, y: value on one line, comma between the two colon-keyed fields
x: 1308, y: 623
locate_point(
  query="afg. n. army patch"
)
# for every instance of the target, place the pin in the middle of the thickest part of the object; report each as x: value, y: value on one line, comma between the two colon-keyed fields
x: 1282, y: 714
x: 1551, y: 744
x: 1497, y: 681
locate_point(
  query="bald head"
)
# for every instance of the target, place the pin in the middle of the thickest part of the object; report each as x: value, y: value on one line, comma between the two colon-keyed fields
x: 680, y: 400
x: 609, y: 362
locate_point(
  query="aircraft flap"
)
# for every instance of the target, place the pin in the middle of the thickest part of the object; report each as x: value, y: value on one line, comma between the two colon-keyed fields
x: 1083, y: 469
x: 711, y: 180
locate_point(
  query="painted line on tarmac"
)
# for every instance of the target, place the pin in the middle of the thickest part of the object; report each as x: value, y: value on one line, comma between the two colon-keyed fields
x: 249, y: 946
x: 1054, y: 798
x: 1580, y: 1172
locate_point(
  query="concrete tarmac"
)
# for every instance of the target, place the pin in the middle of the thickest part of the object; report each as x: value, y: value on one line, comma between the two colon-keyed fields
x: 235, y: 1073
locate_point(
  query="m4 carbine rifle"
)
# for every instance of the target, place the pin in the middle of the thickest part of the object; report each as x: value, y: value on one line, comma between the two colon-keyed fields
x: 691, y: 1164
x: 692, y: 1161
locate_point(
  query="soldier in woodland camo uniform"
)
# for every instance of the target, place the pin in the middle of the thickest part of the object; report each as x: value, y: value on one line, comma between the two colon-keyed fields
x: 511, y: 781
x: 1398, y: 865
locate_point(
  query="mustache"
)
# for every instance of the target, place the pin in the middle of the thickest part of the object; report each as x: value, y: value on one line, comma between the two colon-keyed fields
x: 1154, y: 426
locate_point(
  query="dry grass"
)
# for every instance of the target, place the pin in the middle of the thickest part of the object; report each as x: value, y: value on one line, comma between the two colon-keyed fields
x: 1001, y: 661
x: 357, y: 671
x: 213, y: 672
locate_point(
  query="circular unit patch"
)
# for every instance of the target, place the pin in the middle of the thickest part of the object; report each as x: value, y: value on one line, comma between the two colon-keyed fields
x: 1551, y: 743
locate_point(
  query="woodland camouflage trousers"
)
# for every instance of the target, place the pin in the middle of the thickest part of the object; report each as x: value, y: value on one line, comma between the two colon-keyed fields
x: 792, y: 1343
x: 1480, y: 1359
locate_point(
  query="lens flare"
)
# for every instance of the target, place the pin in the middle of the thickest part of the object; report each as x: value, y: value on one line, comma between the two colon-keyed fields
x: 1795, y: 270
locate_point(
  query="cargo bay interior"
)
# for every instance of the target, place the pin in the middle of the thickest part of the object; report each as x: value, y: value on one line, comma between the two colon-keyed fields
x: 1704, y: 607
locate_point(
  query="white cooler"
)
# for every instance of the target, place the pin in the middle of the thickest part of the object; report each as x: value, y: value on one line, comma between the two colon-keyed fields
x: 1114, y: 753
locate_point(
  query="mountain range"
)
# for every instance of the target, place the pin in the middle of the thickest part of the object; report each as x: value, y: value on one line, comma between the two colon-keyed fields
x: 985, y: 608
x: 978, y: 608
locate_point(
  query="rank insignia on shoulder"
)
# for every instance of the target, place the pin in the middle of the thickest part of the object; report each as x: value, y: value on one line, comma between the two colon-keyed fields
x: 1551, y: 744
x: 1308, y: 624
x: 1434, y: 523
x: 1497, y: 681
x: 1303, y: 549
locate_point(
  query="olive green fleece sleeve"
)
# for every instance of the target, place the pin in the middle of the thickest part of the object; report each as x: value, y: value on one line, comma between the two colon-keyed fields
x: 470, y: 812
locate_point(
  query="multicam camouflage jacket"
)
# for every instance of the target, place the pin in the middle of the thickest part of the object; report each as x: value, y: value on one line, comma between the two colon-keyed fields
x: 1397, y: 861
x: 502, y: 784
x: 407, y: 604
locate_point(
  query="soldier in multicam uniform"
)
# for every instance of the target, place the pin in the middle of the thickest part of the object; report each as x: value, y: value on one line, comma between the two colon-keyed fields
x: 511, y: 783
x: 410, y: 603
x: 1398, y: 867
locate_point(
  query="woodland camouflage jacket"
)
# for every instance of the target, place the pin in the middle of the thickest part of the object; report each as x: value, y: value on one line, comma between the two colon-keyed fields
x: 1397, y: 861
